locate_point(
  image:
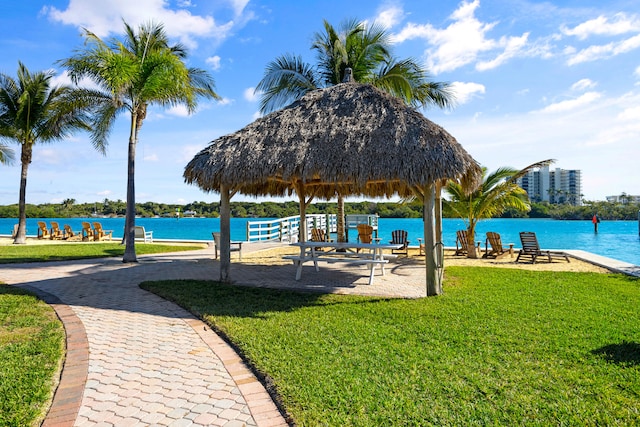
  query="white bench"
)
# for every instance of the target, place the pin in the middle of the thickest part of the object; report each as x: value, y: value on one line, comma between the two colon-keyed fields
x: 142, y: 234
x: 332, y: 260
x: 370, y: 262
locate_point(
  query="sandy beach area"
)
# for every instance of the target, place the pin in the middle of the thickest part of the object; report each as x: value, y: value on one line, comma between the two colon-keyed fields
x: 273, y: 256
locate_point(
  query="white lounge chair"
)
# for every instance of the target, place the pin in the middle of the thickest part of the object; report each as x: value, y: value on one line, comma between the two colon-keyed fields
x: 142, y: 234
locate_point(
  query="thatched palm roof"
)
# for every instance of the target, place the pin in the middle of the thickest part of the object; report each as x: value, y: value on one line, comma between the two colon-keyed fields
x: 350, y: 139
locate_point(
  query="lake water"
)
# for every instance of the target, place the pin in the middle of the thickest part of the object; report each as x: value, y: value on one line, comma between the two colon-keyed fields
x: 615, y: 239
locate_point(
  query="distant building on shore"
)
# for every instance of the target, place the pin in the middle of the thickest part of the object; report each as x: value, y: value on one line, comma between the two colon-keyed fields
x: 623, y: 198
x: 557, y: 186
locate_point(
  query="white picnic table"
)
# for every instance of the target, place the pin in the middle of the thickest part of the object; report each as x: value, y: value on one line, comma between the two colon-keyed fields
x: 342, y: 252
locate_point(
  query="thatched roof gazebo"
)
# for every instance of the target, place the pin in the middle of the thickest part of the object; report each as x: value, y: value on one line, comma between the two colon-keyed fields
x: 348, y: 139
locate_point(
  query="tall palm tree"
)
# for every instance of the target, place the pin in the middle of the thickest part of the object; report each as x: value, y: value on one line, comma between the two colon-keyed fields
x: 499, y: 191
x: 366, y: 50
x: 33, y: 111
x: 136, y: 72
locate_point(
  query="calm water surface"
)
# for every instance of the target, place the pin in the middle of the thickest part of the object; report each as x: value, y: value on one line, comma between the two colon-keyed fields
x: 615, y: 239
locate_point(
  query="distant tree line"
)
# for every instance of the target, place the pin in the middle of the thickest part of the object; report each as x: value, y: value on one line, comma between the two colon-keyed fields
x: 113, y: 208
x: 605, y: 211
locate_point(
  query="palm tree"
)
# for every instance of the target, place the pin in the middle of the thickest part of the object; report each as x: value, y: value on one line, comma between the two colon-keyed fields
x: 138, y: 71
x: 68, y: 203
x: 33, y: 111
x: 498, y: 192
x: 366, y: 50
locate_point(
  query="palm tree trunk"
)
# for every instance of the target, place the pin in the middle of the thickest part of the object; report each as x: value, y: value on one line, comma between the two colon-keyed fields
x: 25, y: 160
x: 340, y: 224
x: 471, y: 241
x: 130, y: 215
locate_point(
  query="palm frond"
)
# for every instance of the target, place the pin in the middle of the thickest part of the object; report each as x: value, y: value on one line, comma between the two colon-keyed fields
x: 285, y: 80
x: 7, y: 155
x: 535, y: 165
x: 411, y: 82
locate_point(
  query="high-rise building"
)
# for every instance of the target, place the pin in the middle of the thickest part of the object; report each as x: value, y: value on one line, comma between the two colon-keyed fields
x: 553, y: 186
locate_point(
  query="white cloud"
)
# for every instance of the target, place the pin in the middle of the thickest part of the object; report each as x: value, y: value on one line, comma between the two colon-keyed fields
x: 637, y: 72
x: 63, y: 79
x: 572, y: 104
x: 151, y: 158
x: 178, y: 111
x: 464, y: 92
x: 251, y: 95
x: 512, y: 47
x: 225, y: 101
x: 214, y: 62
x: 188, y: 152
x: 239, y: 5
x: 596, y: 52
x: 619, y: 24
x: 583, y: 84
x: 106, y: 18
x: 463, y: 41
x: 389, y: 15
x: 256, y: 115
x: 630, y: 114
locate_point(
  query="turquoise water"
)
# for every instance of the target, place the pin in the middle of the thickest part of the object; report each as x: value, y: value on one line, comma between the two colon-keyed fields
x: 615, y: 239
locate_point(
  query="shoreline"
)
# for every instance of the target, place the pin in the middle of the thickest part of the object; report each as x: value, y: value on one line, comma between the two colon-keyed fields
x: 271, y: 254
x: 618, y: 239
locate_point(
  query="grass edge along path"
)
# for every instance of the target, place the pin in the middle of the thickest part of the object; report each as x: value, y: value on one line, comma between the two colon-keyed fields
x: 32, y: 347
x: 499, y: 347
x: 12, y: 254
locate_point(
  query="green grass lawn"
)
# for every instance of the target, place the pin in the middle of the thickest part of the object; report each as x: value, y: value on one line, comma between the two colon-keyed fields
x: 500, y: 347
x: 68, y: 251
x: 31, y: 353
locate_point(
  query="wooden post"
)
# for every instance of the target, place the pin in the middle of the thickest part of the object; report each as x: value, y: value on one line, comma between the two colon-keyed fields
x: 303, y: 212
x: 340, y: 226
x: 438, y: 214
x: 225, y: 234
x: 434, y: 285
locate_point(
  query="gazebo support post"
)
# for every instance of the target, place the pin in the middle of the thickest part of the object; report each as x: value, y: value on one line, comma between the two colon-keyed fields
x: 340, y: 235
x: 434, y: 284
x: 300, y: 191
x: 438, y: 212
x: 225, y: 234
x: 303, y: 219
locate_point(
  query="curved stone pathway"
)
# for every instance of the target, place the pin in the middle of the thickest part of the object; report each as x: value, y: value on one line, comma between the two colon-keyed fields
x: 136, y: 359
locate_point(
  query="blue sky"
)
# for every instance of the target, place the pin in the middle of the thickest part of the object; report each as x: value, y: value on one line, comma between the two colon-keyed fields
x: 534, y: 80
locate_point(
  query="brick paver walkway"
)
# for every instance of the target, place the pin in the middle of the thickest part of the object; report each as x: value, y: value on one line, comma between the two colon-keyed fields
x: 136, y: 359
